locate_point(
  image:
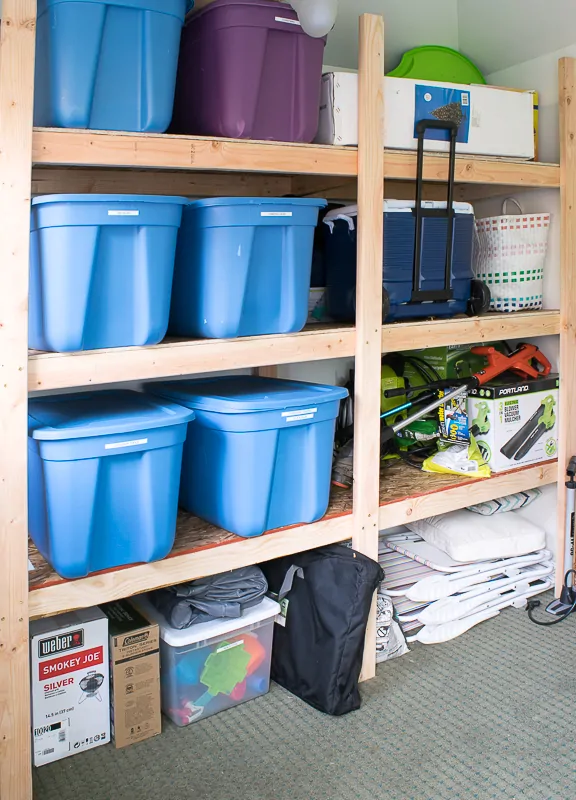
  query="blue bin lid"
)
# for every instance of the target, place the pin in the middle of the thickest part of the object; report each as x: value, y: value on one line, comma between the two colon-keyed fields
x: 310, y: 202
x: 78, y: 416
x: 108, y: 198
x: 245, y: 394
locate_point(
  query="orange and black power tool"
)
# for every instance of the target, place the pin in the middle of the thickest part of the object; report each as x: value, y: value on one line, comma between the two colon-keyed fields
x: 527, y: 361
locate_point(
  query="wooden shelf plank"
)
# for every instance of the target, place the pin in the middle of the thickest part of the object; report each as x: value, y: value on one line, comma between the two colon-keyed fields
x: 202, y: 549
x: 67, y: 147
x: 407, y: 494
x: 471, y: 330
x: 49, y: 371
x: 54, y: 371
x: 401, y: 165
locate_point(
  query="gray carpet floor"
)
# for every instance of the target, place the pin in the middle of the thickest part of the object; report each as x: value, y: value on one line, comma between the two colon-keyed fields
x: 489, y: 715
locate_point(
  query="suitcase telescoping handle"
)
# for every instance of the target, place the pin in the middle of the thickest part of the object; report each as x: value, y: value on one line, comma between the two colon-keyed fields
x: 419, y: 295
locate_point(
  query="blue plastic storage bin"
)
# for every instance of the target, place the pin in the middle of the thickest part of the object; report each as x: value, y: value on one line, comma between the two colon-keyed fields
x: 103, y: 477
x: 107, y: 64
x: 399, y: 235
x: 258, y: 455
x: 243, y: 267
x: 101, y: 269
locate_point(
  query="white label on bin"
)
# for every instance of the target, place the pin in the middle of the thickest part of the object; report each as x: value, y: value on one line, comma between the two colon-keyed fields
x: 275, y: 213
x: 123, y: 213
x: 118, y: 445
x: 301, y: 411
x: 230, y: 646
x: 287, y: 21
x: 299, y: 416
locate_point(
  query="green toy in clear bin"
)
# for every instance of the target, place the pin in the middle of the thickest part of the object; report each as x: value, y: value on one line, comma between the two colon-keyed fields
x: 432, y: 62
x: 212, y: 666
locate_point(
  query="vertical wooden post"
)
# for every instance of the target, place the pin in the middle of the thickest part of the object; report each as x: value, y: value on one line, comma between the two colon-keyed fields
x: 16, y: 101
x: 567, y: 432
x: 266, y: 372
x: 369, y: 303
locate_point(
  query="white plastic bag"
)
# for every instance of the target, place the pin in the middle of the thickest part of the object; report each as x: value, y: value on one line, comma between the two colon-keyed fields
x: 390, y: 641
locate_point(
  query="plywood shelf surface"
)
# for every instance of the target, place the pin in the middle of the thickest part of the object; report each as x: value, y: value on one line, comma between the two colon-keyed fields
x: 407, y: 494
x: 54, y: 371
x: 202, y: 549
x: 68, y: 147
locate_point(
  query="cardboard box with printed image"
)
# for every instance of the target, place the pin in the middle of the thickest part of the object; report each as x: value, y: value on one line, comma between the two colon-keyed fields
x: 493, y: 121
x: 134, y: 674
x: 515, y: 422
x: 70, y: 685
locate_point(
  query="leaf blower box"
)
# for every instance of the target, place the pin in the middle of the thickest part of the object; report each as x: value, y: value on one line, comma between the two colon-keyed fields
x: 515, y: 422
x: 135, y: 674
x: 70, y: 684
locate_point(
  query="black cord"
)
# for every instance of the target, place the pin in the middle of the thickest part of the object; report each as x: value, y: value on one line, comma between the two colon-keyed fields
x: 532, y: 604
x: 536, y: 603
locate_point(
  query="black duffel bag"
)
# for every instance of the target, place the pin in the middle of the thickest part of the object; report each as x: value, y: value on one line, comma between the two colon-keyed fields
x: 327, y: 595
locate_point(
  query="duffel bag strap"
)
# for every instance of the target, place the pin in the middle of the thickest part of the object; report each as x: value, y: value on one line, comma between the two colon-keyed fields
x: 289, y: 581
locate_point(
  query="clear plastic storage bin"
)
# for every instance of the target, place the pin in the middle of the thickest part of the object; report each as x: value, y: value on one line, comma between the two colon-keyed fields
x: 215, y: 665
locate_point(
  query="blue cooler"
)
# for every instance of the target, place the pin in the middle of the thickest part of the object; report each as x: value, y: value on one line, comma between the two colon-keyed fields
x: 101, y: 270
x: 243, y: 267
x: 107, y: 64
x: 258, y: 455
x: 398, y: 269
x: 103, y: 477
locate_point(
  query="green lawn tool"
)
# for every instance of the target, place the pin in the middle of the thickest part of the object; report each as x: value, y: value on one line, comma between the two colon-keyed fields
x: 542, y: 421
x: 481, y: 422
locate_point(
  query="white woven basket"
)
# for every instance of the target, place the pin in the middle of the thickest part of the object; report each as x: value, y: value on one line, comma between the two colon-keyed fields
x: 509, y: 256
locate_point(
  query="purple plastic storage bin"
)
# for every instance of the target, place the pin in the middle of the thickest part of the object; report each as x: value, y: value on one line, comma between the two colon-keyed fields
x: 247, y: 70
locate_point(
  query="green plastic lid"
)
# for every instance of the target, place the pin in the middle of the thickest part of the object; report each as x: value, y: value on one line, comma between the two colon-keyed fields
x: 435, y: 63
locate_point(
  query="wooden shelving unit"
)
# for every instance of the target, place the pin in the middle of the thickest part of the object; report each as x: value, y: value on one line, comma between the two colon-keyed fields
x: 202, y: 549
x: 53, y: 371
x: 51, y: 161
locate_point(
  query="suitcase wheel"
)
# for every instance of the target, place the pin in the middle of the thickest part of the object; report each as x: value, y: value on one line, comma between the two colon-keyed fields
x: 479, y: 302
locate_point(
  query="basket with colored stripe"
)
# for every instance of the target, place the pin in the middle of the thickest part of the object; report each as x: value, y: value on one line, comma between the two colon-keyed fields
x: 509, y: 256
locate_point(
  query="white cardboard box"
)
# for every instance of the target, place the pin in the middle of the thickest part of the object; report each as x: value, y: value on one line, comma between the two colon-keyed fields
x: 498, y: 122
x: 70, y: 684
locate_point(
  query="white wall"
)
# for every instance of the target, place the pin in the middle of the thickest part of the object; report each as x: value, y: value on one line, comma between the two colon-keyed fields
x: 498, y: 34
x: 518, y: 43
x: 540, y: 73
x: 409, y: 23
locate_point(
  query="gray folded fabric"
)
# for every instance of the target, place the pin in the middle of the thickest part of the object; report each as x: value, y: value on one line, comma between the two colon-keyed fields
x: 216, y: 597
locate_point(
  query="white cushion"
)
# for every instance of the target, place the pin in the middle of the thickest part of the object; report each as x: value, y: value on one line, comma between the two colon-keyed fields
x: 511, y: 502
x: 466, y: 536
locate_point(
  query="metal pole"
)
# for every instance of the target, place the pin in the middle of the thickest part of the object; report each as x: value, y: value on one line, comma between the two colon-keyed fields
x: 427, y: 409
